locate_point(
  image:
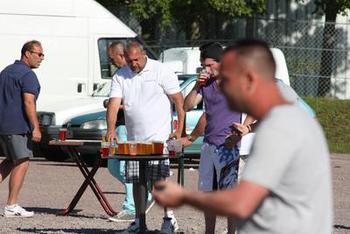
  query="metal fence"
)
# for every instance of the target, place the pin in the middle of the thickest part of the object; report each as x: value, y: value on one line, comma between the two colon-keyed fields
x: 317, y: 66
x: 316, y: 52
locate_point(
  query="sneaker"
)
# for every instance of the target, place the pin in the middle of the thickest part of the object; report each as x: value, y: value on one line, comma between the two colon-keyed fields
x: 122, y: 216
x: 149, y: 205
x: 17, y: 211
x: 169, y: 225
x: 134, y: 227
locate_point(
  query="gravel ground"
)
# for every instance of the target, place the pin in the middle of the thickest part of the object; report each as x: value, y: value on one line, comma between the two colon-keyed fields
x: 50, y: 186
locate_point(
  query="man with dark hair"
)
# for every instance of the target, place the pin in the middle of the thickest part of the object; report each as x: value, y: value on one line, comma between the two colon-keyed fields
x: 218, y: 166
x: 147, y: 88
x: 286, y: 185
x: 19, y: 125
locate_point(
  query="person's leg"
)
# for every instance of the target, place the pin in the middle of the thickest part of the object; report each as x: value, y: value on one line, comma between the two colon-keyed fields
x: 206, y: 182
x: 5, y: 169
x: 226, y: 163
x: 16, y: 179
x: 210, y: 218
x: 117, y: 169
x: 7, y: 164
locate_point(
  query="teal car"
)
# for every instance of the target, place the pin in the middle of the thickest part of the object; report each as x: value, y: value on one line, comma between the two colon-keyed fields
x: 93, y: 126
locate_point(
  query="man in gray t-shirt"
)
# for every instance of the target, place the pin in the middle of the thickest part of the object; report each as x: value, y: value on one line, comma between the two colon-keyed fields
x: 286, y: 186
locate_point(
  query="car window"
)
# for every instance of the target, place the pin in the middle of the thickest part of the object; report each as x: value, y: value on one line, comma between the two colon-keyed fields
x: 187, y: 89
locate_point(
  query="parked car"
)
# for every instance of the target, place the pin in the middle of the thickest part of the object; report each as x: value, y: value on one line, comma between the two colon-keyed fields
x: 93, y: 126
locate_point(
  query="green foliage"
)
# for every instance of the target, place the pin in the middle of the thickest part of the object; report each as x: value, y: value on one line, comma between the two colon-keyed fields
x: 239, y: 7
x: 334, y: 116
x: 146, y: 9
x: 167, y: 10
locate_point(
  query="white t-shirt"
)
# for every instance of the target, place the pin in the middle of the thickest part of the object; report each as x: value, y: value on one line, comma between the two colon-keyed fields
x: 290, y: 158
x: 147, y: 107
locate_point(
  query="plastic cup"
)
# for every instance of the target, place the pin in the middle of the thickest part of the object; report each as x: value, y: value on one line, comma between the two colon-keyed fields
x: 133, y: 148
x: 123, y: 148
x: 157, y: 147
x: 105, y: 149
x: 63, y: 134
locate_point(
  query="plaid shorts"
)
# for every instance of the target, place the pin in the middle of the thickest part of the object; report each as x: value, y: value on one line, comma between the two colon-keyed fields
x: 155, y: 171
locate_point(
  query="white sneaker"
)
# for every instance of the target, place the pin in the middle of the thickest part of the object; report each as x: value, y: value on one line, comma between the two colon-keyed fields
x: 122, y: 216
x: 169, y: 225
x: 17, y: 211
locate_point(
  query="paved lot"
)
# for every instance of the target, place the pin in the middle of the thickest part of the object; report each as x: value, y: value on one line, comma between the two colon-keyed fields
x: 50, y: 186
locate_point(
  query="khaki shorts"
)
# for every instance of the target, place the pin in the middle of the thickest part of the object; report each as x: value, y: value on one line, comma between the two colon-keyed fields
x: 16, y: 147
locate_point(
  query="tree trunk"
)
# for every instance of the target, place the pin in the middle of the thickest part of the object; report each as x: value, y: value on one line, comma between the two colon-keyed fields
x: 328, y: 43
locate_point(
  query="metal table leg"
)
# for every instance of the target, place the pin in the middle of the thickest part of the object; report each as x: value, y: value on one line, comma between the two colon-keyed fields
x: 89, y: 180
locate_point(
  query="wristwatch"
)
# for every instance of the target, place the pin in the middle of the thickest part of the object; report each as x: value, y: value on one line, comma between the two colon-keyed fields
x: 190, y: 138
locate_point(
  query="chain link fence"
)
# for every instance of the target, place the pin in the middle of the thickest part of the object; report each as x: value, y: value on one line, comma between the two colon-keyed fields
x: 317, y: 53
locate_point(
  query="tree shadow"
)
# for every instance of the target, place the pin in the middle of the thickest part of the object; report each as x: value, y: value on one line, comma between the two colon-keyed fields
x: 82, y: 230
x: 67, y: 230
x: 339, y: 226
x: 56, y: 211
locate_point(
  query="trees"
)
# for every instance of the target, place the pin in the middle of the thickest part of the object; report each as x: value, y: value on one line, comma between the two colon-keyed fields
x: 192, y: 16
x: 330, y: 8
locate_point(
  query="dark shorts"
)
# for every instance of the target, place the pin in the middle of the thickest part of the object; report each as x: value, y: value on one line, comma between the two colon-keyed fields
x: 16, y: 147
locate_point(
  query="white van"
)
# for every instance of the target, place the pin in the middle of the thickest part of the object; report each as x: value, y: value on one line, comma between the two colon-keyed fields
x: 75, y: 35
x: 185, y: 60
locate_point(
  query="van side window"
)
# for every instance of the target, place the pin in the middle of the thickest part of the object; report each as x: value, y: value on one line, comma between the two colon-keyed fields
x: 107, y: 69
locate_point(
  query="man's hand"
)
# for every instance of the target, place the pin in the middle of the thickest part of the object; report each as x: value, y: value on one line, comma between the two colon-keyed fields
x: 185, y: 141
x: 168, y: 194
x: 241, y: 129
x: 111, y: 136
x: 202, y: 78
x: 36, y: 135
x: 175, y: 135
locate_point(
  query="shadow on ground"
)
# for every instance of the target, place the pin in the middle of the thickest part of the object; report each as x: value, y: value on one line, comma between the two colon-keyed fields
x: 55, y: 211
x: 338, y: 226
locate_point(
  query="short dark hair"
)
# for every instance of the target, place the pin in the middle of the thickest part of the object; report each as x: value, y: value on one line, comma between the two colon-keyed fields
x: 211, y: 50
x: 251, y: 48
x: 28, y: 46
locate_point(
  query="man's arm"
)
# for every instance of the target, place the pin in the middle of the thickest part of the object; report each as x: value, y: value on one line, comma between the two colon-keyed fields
x: 111, y: 116
x: 178, y: 100
x: 193, y: 98
x: 196, y: 132
x: 30, y: 109
x: 238, y: 203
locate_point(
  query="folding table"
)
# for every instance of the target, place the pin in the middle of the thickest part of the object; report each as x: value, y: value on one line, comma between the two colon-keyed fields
x: 71, y: 147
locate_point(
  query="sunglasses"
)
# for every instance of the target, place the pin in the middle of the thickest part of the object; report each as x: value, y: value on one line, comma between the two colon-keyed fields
x: 39, y: 54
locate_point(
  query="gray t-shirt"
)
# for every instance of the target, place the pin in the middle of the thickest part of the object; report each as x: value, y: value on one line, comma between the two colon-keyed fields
x: 290, y: 158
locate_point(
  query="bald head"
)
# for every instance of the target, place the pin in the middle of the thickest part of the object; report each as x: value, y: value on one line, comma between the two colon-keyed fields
x: 254, y: 54
x: 247, y: 71
x: 116, y: 54
x: 135, y: 56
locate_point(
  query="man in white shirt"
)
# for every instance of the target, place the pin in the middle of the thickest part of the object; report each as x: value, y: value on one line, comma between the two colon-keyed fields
x: 286, y: 185
x: 147, y: 88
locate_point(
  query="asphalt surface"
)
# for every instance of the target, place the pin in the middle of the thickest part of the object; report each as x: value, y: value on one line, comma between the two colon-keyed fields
x: 50, y: 186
